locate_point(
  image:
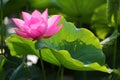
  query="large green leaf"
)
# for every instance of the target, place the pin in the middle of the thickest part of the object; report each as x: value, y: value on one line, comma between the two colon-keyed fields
x: 20, y: 46
x: 80, y: 43
x: 74, y: 48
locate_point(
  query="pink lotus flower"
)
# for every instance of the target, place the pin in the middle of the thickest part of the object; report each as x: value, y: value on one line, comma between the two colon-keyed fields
x: 37, y: 25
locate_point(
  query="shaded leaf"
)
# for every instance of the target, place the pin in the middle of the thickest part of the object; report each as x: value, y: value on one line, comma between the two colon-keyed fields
x: 79, y: 10
x: 12, y: 6
x: 100, y: 23
x: 42, y: 4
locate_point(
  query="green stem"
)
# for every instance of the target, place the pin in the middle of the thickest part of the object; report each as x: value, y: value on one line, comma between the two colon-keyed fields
x: 58, y: 73
x: 116, y: 8
x: 1, y: 24
x: 115, y: 52
x: 1, y: 5
x: 84, y: 75
x: 113, y: 7
x: 42, y: 66
x: 62, y: 73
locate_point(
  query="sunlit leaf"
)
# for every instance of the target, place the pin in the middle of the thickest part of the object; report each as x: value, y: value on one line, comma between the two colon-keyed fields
x: 67, y: 61
x: 20, y: 46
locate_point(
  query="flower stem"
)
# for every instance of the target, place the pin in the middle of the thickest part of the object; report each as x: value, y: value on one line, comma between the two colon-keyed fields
x: 58, y: 73
x: 84, y: 75
x: 62, y: 73
x: 116, y: 8
x: 113, y: 7
x: 42, y: 66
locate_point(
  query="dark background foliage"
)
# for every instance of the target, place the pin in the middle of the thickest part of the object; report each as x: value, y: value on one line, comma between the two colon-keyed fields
x: 90, y: 14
